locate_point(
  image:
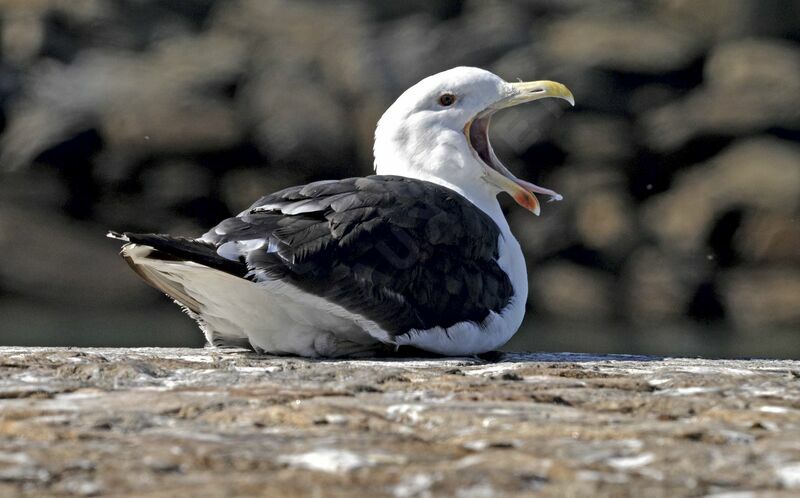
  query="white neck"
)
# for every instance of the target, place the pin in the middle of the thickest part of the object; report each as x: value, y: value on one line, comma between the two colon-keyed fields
x: 448, y: 162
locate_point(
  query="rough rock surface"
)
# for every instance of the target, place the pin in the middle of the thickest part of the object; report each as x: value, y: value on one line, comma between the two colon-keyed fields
x: 191, y: 422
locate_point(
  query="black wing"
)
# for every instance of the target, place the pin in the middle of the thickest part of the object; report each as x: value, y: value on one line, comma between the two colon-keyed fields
x: 404, y: 253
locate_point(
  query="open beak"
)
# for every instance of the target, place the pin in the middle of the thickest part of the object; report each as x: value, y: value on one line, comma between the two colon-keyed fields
x: 477, y: 133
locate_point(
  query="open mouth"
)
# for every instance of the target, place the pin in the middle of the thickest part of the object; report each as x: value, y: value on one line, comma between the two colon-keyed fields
x: 477, y: 134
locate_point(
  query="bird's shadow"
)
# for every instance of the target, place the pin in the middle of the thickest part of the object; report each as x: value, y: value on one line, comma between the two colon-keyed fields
x: 409, y: 354
x: 564, y: 357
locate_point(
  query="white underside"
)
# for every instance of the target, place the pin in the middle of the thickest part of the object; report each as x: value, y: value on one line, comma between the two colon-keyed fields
x: 275, y: 317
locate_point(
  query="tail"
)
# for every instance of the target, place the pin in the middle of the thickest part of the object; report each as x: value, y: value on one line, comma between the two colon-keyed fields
x: 169, y: 248
x: 176, y: 266
x: 150, y: 255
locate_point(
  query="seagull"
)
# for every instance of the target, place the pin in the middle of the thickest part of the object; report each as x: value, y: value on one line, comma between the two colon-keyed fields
x: 418, y: 255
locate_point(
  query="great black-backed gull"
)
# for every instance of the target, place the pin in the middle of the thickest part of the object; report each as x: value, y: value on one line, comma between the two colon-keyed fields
x: 419, y: 254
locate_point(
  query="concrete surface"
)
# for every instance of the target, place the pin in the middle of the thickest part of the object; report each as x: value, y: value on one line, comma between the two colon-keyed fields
x: 194, y: 422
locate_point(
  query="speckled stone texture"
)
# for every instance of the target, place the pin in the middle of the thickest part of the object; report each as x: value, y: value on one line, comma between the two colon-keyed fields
x: 193, y: 422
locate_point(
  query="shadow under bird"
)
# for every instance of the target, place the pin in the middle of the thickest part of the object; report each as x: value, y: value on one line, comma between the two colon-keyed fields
x: 419, y: 254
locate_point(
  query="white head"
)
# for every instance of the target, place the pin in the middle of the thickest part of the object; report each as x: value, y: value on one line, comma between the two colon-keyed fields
x: 438, y: 130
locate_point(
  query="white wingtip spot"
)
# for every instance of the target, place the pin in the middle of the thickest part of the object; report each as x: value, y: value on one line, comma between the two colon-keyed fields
x: 117, y: 236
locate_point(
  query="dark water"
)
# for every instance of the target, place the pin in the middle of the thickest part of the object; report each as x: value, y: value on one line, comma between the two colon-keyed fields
x: 27, y: 324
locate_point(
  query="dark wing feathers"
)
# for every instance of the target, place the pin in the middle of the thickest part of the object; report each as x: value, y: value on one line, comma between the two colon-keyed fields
x: 406, y: 254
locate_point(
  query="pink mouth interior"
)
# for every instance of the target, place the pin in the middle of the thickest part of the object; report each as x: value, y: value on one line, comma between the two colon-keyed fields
x: 479, y: 138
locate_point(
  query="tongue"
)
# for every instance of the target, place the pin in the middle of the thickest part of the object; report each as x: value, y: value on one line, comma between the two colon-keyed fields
x: 532, y: 187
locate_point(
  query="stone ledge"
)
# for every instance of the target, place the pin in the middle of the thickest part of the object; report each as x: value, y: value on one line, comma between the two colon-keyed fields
x: 193, y: 422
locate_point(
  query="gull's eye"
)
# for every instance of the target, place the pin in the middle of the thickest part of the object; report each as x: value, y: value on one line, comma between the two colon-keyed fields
x: 447, y: 99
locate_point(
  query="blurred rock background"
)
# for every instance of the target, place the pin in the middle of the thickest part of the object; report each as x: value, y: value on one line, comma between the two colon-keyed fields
x: 680, y: 165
